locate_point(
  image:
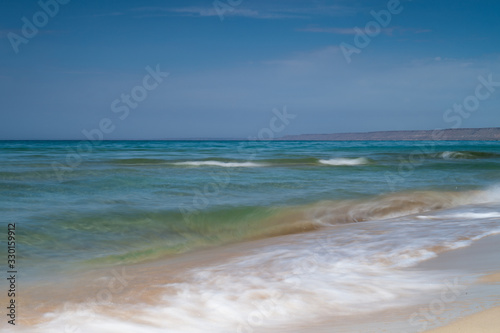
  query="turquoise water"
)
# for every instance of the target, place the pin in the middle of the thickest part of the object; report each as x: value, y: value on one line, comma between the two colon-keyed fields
x: 134, y: 200
x: 209, y: 235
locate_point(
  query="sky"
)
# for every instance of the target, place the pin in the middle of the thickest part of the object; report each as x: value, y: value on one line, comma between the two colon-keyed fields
x: 122, y: 69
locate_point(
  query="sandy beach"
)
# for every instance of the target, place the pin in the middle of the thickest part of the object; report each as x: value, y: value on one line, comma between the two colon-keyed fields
x: 487, y: 321
x: 476, y: 309
x: 479, y: 261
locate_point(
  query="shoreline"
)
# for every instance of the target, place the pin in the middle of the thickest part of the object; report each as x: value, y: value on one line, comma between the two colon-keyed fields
x: 474, y: 310
x: 479, y: 257
x: 475, y: 266
x: 487, y: 321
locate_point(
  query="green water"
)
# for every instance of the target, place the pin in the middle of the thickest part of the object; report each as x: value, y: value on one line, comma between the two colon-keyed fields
x: 125, y: 201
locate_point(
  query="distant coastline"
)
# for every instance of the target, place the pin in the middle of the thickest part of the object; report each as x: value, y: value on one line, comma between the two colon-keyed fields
x: 459, y: 134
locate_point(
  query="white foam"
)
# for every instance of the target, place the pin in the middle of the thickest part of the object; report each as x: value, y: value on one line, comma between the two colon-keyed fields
x: 492, y: 195
x: 447, y: 155
x: 333, y: 272
x: 345, y: 161
x: 472, y: 215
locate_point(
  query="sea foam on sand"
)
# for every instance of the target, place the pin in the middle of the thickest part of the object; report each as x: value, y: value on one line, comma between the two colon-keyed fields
x: 333, y: 276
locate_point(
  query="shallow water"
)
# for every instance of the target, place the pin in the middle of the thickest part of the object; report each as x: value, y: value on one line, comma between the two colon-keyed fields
x: 216, y: 234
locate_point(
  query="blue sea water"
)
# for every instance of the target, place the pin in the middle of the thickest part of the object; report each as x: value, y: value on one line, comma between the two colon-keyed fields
x: 80, y: 206
x: 74, y: 202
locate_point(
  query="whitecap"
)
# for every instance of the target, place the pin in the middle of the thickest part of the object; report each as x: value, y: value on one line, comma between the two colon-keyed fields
x: 345, y: 161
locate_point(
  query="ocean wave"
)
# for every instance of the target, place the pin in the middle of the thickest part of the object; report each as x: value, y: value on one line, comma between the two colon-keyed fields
x: 464, y: 215
x: 221, y: 164
x: 465, y: 155
x: 345, y: 161
x: 287, y: 281
x: 234, y: 224
x: 400, y: 204
x: 233, y: 163
x: 285, y: 162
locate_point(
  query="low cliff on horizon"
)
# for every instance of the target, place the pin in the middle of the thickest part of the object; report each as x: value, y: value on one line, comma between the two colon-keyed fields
x: 482, y: 134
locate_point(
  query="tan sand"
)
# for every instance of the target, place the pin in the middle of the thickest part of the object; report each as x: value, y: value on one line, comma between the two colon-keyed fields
x: 491, y: 278
x: 487, y: 321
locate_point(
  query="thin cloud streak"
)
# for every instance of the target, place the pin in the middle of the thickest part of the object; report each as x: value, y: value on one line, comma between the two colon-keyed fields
x: 351, y: 31
x: 270, y: 13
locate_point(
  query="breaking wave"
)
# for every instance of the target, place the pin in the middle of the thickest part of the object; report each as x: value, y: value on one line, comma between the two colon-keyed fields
x: 345, y: 161
x: 465, y: 155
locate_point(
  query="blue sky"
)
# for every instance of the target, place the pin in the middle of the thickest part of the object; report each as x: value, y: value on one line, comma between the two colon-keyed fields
x: 231, y: 64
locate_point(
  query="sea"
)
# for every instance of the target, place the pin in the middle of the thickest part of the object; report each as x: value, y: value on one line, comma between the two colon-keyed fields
x: 234, y: 236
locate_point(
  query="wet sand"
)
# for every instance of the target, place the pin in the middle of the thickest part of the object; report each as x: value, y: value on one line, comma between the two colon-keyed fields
x: 475, y: 309
x: 478, y: 310
x: 487, y: 321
